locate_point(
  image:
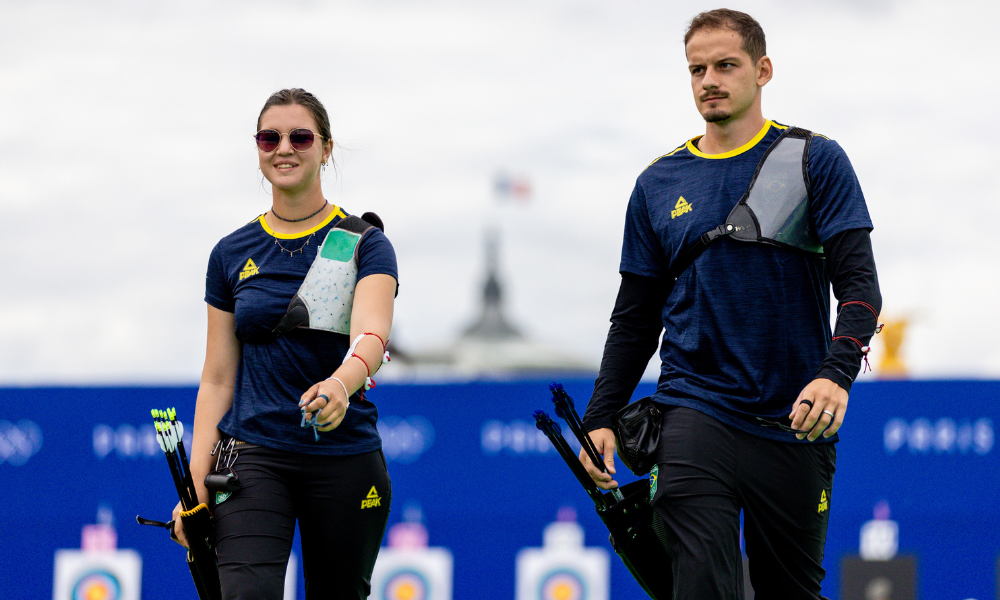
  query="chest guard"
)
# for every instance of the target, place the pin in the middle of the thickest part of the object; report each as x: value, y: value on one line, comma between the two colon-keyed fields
x: 326, y: 296
x: 775, y: 208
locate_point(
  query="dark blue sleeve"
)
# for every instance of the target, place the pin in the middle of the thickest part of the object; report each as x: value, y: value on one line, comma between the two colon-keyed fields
x: 632, y: 340
x: 642, y: 253
x: 838, y: 203
x: 218, y: 292
x: 376, y: 255
x: 851, y: 264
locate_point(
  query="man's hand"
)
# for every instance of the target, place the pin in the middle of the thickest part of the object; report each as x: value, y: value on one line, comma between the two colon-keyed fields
x: 604, y: 441
x: 819, y: 409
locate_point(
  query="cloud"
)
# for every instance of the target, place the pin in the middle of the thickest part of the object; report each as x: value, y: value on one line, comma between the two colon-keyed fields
x: 125, y: 155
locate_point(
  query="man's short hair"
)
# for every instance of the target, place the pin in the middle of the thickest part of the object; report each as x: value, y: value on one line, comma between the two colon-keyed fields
x: 743, y: 24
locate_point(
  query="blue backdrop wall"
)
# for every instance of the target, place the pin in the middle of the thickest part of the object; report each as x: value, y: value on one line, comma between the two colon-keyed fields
x: 487, y: 482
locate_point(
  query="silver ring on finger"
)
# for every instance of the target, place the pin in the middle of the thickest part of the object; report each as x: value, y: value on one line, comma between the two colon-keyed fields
x: 826, y: 412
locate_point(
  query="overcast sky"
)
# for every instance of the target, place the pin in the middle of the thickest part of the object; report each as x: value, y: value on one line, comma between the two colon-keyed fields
x: 126, y: 153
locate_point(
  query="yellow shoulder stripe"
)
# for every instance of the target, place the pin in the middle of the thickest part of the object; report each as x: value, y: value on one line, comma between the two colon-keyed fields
x: 671, y: 153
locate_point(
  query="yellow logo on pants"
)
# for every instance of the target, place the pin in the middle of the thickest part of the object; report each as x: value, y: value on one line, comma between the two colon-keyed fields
x: 824, y: 503
x: 372, y: 499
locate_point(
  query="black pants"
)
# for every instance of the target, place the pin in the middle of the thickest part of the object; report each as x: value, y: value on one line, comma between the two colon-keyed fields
x: 707, y: 473
x: 341, y: 504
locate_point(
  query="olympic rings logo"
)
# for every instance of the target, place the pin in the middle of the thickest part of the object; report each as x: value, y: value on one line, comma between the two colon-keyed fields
x: 19, y: 442
x: 404, y: 440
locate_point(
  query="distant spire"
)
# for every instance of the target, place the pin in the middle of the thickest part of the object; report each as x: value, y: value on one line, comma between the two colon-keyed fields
x: 491, y: 323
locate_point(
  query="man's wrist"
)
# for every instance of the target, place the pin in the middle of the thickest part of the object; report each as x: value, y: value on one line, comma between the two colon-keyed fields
x: 603, y: 422
x: 836, y: 376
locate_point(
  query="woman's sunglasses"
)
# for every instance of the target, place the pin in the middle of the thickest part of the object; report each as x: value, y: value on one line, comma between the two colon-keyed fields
x: 300, y: 139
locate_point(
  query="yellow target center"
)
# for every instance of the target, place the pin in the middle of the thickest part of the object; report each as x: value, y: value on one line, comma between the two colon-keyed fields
x: 406, y: 592
x: 562, y: 592
x: 97, y: 592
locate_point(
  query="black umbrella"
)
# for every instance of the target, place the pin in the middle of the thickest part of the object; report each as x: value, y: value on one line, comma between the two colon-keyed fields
x: 636, y: 530
x: 195, y: 516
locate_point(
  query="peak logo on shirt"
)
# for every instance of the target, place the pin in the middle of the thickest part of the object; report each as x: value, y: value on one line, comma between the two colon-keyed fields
x: 682, y: 206
x: 249, y: 270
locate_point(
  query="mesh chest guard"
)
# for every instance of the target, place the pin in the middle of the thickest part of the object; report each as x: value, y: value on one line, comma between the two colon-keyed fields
x: 775, y: 208
x: 326, y: 296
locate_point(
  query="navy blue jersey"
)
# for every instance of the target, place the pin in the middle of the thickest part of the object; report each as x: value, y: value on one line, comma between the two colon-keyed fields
x: 747, y: 324
x: 254, y: 272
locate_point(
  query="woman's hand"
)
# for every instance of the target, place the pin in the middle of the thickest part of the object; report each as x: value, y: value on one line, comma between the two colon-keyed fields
x: 178, y: 533
x: 328, y: 401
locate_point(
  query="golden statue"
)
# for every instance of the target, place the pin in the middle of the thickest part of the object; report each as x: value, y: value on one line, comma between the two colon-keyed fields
x: 891, y: 366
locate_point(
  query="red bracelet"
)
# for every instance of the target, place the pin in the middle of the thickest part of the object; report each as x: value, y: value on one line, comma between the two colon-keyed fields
x: 859, y: 302
x: 871, y: 309
x: 864, y: 349
x: 367, y: 369
x: 378, y: 336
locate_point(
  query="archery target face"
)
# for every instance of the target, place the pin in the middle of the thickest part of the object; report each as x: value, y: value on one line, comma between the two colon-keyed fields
x: 406, y: 585
x: 97, y: 585
x: 563, y: 584
x: 106, y: 575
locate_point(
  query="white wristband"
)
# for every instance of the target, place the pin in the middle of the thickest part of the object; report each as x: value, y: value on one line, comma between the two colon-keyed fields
x: 346, y: 395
